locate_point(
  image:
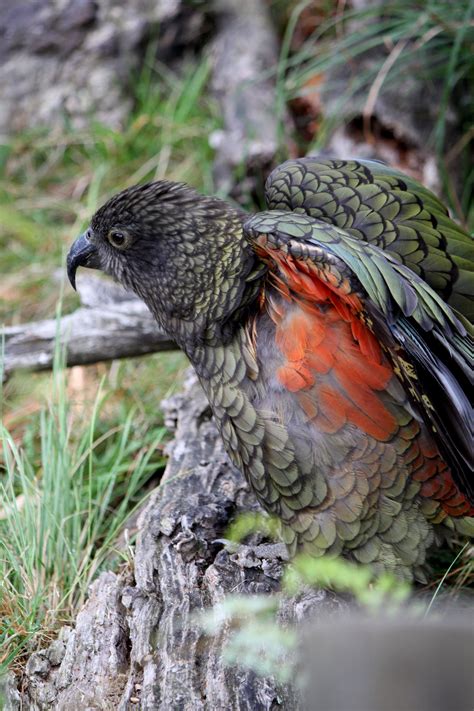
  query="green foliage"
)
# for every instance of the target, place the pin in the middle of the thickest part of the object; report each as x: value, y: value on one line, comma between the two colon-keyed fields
x: 258, y: 641
x: 65, y: 496
x: 370, y: 590
x: 51, y: 181
x: 432, y: 38
x: 248, y: 523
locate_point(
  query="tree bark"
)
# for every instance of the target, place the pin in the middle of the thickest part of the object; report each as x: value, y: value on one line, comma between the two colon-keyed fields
x: 244, y: 59
x: 135, y: 644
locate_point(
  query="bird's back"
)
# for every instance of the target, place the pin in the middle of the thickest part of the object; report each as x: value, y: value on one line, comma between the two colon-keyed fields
x: 382, y: 206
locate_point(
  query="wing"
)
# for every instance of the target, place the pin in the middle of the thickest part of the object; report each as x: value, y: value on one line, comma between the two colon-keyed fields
x: 387, y: 306
x: 382, y: 206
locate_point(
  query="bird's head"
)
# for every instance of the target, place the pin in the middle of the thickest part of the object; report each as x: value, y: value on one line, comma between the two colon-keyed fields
x: 181, y: 252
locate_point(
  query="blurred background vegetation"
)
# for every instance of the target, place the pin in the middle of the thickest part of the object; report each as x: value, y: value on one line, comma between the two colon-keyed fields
x: 82, y: 448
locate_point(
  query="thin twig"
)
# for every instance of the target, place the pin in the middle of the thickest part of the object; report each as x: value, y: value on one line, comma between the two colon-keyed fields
x: 368, y: 109
x: 459, y: 146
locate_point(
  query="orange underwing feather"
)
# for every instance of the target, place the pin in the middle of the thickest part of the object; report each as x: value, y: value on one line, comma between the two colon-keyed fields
x: 333, y: 414
x: 318, y: 342
x: 335, y: 366
x: 368, y: 344
x: 295, y: 377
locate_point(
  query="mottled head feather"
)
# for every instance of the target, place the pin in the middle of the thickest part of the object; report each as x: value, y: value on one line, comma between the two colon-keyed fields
x: 185, y: 256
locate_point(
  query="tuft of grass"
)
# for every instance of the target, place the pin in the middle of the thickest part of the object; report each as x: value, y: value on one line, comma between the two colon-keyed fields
x: 434, y: 38
x: 463, y: 573
x: 66, y: 493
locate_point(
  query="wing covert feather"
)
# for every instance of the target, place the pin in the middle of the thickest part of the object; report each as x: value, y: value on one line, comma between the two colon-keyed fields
x: 381, y: 206
x: 418, y: 331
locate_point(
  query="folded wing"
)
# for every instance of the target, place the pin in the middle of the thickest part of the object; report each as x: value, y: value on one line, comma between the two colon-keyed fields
x: 383, y: 207
x: 388, y: 306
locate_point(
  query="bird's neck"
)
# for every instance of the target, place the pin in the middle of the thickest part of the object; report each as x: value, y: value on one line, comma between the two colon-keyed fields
x: 223, y: 287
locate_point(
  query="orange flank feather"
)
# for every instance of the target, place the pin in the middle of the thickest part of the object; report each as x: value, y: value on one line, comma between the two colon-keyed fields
x: 331, y: 356
x: 323, y: 360
x: 338, y: 372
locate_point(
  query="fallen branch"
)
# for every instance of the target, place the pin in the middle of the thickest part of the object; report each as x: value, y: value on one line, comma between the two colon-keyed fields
x: 112, y: 323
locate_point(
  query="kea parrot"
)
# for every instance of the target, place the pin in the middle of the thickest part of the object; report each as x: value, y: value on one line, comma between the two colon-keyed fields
x: 332, y: 336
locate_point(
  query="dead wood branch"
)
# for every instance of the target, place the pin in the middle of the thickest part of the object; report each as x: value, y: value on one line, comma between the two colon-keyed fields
x: 112, y: 323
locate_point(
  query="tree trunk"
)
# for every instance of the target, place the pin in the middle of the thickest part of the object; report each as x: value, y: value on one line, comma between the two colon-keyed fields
x: 135, y: 643
x: 245, y: 55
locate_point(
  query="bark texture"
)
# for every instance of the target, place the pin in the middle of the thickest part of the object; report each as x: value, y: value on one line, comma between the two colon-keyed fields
x: 75, y: 58
x: 244, y: 58
x: 135, y: 643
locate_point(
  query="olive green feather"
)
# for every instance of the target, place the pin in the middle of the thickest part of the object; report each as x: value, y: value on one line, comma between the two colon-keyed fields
x: 387, y: 283
x: 406, y: 314
x: 381, y: 206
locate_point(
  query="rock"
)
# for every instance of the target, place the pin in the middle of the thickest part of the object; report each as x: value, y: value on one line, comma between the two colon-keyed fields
x: 73, y: 59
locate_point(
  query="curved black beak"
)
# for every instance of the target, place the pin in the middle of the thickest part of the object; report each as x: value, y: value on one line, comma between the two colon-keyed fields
x: 82, y: 254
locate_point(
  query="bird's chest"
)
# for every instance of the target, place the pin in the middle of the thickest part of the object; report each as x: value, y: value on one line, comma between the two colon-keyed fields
x: 264, y: 426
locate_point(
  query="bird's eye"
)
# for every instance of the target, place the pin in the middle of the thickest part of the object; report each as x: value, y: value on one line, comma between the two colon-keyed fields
x: 119, y: 238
